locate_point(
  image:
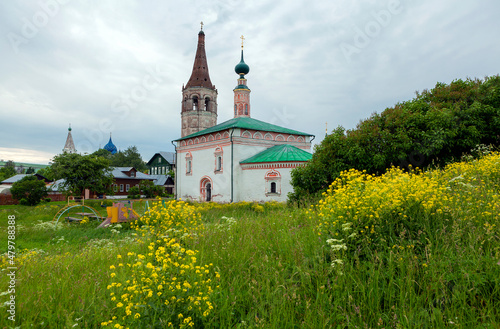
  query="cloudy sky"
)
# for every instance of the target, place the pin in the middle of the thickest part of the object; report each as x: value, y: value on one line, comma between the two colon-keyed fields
x: 118, y: 66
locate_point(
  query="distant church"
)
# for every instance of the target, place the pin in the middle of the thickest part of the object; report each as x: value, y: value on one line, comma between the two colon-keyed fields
x: 239, y: 159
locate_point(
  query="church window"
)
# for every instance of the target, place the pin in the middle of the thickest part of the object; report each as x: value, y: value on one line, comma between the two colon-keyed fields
x: 218, y: 159
x: 219, y: 163
x: 189, y: 163
x: 246, y: 109
x: 207, y: 104
x: 273, y: 183
x: 206, y: 188
x: 235, y: 110
x: 195, y: 103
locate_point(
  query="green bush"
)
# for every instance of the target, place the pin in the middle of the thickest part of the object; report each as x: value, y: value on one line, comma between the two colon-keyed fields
x: 24, y: 202
x: 436, y: 127
x: 134, y: 193
x: 29, y: 188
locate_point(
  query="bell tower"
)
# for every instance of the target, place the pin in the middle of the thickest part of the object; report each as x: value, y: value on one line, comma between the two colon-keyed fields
x: 199, y: 96
x: 241, y: 92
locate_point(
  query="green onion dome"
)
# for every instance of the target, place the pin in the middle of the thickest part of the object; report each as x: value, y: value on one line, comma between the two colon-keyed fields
x: 242, y: 68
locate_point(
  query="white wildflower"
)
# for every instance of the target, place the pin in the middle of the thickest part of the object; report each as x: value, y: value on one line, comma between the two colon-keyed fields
x: 337, y: 247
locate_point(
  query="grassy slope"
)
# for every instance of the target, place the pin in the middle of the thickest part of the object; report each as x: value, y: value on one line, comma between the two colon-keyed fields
x: 275, y: 272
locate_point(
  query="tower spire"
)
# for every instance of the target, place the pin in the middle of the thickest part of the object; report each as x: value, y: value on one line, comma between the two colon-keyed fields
x: 242, y: 92
x: 69, y: 147
x: 200, y: 76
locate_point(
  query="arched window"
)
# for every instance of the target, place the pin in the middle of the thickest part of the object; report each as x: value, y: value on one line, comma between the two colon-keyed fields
x: 189, y: 163
x: 206, y: 188
x: 219, y: 163
x: 207, y: 104
x: 235, y: 110
x: 246, y: 109
x: 218, y: 160
x: 195, y: 103
x: 273, y: 183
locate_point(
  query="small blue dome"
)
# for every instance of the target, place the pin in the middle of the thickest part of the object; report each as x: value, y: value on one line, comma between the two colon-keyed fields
x: 110, y: 146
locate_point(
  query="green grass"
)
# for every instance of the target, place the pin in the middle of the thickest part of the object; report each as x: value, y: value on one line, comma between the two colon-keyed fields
x: 275, y: 271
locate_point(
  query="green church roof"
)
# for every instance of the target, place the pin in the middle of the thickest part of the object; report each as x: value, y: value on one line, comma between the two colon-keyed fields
x: 279, y: 153
x: 245, y: 123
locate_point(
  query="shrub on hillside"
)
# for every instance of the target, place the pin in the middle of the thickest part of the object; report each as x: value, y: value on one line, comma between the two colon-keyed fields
x: 438, y: 126
x: 29, y: 190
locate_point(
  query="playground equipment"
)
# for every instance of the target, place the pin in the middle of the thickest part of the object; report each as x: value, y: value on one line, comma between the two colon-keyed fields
x: 119, y: 213
x: 85, y: 211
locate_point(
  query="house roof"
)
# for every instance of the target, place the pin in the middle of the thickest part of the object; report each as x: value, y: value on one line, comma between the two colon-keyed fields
x: 18, y: 177
x: 160, y: 180
x: 15, y: 178
x: 5, y: 189
x: 245, y: 123
x: 119, y: 172
x: 279, y: 153
x: 57, y: 186
x: 168, y: 156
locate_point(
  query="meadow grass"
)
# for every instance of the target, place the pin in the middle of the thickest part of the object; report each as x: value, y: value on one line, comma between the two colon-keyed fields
x: 402, y: 250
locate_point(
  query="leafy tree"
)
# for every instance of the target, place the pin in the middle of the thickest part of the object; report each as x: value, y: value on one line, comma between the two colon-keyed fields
x: 45, y: 172
x: 30, y: 170
x: 29, y: 188
x: 82, y: 172
x: 8, y: 170
x: 128, y: 158
x: 150, y: 190
x: 436, y: 127
x: 103, y: 153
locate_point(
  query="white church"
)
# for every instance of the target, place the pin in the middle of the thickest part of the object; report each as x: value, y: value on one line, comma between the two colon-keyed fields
x: 242, y: 159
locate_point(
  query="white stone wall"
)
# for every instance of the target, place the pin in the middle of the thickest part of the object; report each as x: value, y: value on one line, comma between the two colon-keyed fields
x: 249, y: 184
x: 252, y: 186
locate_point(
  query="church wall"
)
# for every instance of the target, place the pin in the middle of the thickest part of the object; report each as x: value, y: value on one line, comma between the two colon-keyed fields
x: 248, y: 184
x: 255, y: 187
x: 204, y: 167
